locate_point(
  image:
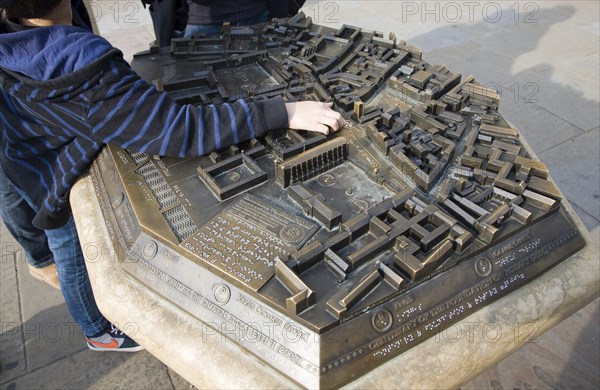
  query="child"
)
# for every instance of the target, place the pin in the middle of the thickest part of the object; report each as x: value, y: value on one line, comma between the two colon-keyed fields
x: 64, y: 92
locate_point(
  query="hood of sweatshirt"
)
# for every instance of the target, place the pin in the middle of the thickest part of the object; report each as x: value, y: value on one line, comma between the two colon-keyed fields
x: 55, y: 58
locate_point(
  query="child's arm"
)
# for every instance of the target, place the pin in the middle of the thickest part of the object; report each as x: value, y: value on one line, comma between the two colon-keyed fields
x: 128, y: 112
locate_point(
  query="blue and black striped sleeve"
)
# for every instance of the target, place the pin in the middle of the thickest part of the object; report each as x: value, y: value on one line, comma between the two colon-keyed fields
x: 125, y: 110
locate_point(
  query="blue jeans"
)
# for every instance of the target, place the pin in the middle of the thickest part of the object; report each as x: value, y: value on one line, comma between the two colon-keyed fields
x: 17, y: 216
x: 70, y: 265
x: 74, y: 280
x: 215, y: 29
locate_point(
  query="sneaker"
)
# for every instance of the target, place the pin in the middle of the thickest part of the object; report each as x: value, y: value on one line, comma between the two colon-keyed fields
x: 115, y: 340
x: 46, y: 274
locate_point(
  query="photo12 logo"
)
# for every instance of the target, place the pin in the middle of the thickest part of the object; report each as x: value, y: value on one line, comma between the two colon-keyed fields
x: 520, y: 92
x: 119, y: 12
x: 469, y: 11
x: 476, y: 332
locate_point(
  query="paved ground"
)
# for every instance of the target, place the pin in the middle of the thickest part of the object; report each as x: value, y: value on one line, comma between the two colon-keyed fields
x: 544, y: 59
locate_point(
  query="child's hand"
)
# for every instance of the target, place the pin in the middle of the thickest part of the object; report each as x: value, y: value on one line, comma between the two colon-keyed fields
x: 314, y: 116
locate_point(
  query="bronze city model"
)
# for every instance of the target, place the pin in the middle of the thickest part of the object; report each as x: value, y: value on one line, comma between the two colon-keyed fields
x: 327, y: 256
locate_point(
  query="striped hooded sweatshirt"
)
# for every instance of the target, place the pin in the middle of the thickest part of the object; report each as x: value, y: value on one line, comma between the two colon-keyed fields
x: 64, y: 92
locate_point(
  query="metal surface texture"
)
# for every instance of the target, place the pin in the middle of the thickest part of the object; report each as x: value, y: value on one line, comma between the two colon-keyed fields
x: 327, y: 256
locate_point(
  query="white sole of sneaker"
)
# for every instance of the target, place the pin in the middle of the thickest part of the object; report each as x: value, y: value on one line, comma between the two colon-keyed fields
x: 135, y: 349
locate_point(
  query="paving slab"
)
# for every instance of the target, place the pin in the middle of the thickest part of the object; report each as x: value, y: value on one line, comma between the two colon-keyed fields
x: 113, y: 16
x: 48, y: 329
x: 524, y: 37
x: 422, y: 23
x: 97, y: 370
x: 585, y: 78
x: 560, y: 98
x: 565, y: 358
x: 473, y: 58
x: 12, y: 353
x: 179, y: 382
x: 575, y: 167
x: 127, y: 25
x: 138, y: 39
x: 590, y: 222
x: 541, y: 128
x: 563, y: 42
x: 520, y: 39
